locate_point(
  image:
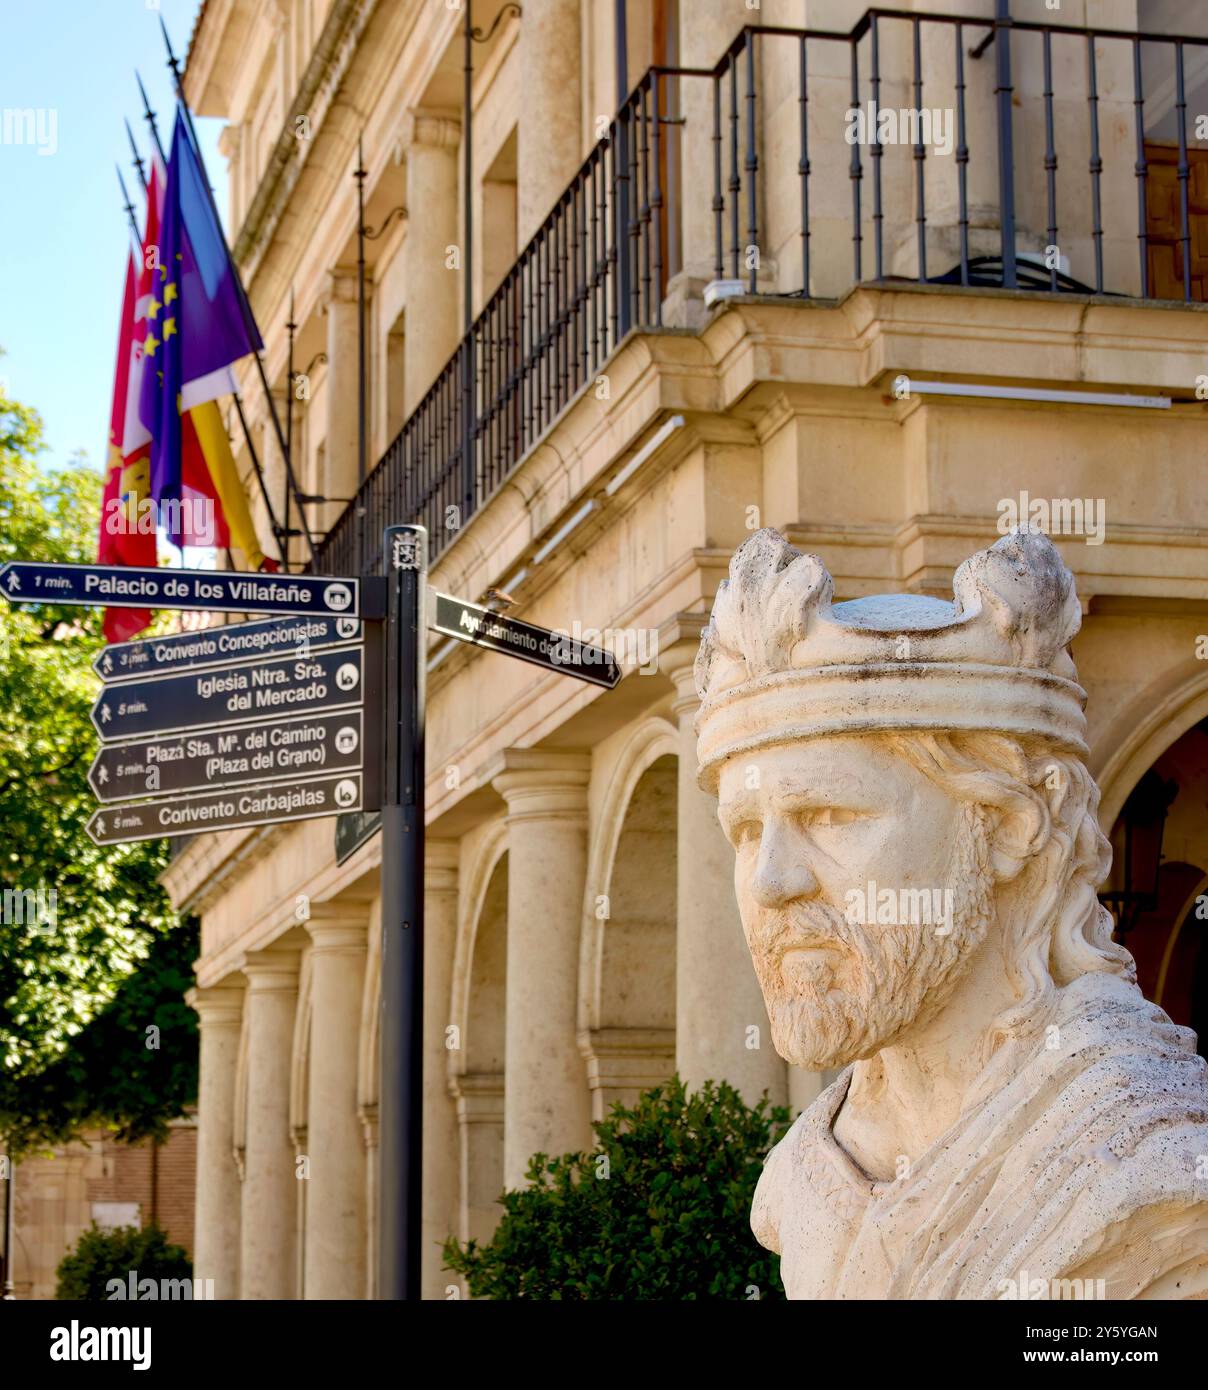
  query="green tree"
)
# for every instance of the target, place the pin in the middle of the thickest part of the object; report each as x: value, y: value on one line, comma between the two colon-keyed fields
x: 659, y: 1210
x: 62, y: 964
x: 101, y: 1257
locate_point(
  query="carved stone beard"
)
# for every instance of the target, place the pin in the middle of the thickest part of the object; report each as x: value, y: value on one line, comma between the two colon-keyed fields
x: 859, y: 987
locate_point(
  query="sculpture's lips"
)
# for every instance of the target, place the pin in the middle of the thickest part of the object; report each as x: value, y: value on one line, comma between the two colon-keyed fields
x: 796, y: 937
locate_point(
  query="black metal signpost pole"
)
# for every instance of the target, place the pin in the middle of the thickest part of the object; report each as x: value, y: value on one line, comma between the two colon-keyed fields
x: 400, y: 1105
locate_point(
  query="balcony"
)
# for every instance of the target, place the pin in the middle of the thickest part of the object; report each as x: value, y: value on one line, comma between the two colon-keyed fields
x: 988, y: 154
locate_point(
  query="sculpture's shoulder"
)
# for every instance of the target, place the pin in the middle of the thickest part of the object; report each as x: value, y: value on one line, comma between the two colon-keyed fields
x: 1115, y: 1158
x: 781, y: 1188
x: 767, y: 1204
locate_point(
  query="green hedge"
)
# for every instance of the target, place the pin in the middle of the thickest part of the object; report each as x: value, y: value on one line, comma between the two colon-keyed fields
x: 660, y: 1209
x: 104, y: 1256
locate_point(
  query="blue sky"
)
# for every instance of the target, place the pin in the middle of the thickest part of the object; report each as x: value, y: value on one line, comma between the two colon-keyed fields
x: 63, y: 233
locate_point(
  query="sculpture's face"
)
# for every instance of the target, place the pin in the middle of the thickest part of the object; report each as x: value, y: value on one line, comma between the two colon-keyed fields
x: 846, y: 966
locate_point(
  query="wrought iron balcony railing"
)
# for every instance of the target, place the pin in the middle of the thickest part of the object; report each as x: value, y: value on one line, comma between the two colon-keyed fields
x: 988, y: 153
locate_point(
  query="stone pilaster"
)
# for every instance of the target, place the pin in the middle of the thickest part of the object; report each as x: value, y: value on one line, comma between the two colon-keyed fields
x: 549, y: 140
x: 721, y: 1025
x: 335, y: 1209
x: 547, y: 1105
x: 216, y: 1225
x: 433, y: 285
x: 440, y: 1155
x: 269, y: 1209
x: 340, y: 392
x: 480, y: 1122
x: 706, y: 28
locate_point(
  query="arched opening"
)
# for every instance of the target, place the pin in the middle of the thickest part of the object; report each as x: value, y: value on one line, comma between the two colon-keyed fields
x: 1162, y: 827
x: 632, y: 1046
x: 479, y: 1088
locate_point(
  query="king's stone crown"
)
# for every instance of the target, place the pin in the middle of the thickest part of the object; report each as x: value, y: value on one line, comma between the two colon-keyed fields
x: 779, y: 661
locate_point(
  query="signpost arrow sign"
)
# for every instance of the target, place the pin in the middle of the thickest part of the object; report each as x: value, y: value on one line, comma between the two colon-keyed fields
x: 238, y: 695
x: 553, y: 650
x: 223, y: 646
x: 121, y: 586
x: 229, y: 757
x: 227, y: 810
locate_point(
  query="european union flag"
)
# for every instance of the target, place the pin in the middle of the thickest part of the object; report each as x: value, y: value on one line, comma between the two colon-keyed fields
x: 159, y: 404
x: 198, y: 321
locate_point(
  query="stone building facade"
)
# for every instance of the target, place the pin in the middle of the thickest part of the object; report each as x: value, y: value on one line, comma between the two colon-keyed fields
x: 58, y: 1195
x: 773, y: 358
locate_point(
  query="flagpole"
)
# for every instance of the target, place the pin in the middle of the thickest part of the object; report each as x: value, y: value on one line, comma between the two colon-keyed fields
x: 128, y: 206
x: 268, y: 395
x: 359, y: 176
x: 289, y: 409
x: 137, y: 159
x: 251, y: 448
x: 149, y: 117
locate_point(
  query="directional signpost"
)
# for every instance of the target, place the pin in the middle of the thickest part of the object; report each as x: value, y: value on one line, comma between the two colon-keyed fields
x: 223, y: 646
x: 251, y: 724
x: 226, y: 810
x: 239, y: 756
x: 230, y: 695
x: 215, y: 591
x: 554, y: 650
x: 316, y: 711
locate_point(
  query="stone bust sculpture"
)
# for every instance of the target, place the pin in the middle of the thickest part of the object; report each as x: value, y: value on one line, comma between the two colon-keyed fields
x: 917, y: 855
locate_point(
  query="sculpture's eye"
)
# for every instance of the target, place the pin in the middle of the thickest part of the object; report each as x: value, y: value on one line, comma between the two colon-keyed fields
x: 747, y: 833
x: 833, y: 815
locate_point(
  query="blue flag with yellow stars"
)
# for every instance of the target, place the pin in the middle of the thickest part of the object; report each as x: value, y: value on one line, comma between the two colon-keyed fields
x: 198, y: 323
x: 159, y: 403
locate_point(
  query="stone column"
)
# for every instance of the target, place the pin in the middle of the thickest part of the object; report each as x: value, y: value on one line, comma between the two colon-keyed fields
x: 433, y: 286
x: 267, y: 1249
x: 721, y: 1025
x: 549, y: 140
x: 705, y: 29
x: 440, y: 1158
x: 547, y: 1104
x: 340, y: 393
x: 335, y: 1208
x: 216, y: 1225
x: 369, y: 1132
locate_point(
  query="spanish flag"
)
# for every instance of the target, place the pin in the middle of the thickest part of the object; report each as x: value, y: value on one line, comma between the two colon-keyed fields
x: 126, y: 478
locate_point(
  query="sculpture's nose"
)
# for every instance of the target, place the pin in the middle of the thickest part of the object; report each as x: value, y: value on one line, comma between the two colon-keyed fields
x: 782, y: 872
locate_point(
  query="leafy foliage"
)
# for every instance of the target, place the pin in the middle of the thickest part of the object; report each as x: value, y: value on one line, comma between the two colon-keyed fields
x: 660, y: 1210
x: 59, y: 971
x: 134, y: 1066
x: 101, y: 1256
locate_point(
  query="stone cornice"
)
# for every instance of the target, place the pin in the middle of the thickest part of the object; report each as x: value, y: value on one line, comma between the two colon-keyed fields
x: 328, y: 62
